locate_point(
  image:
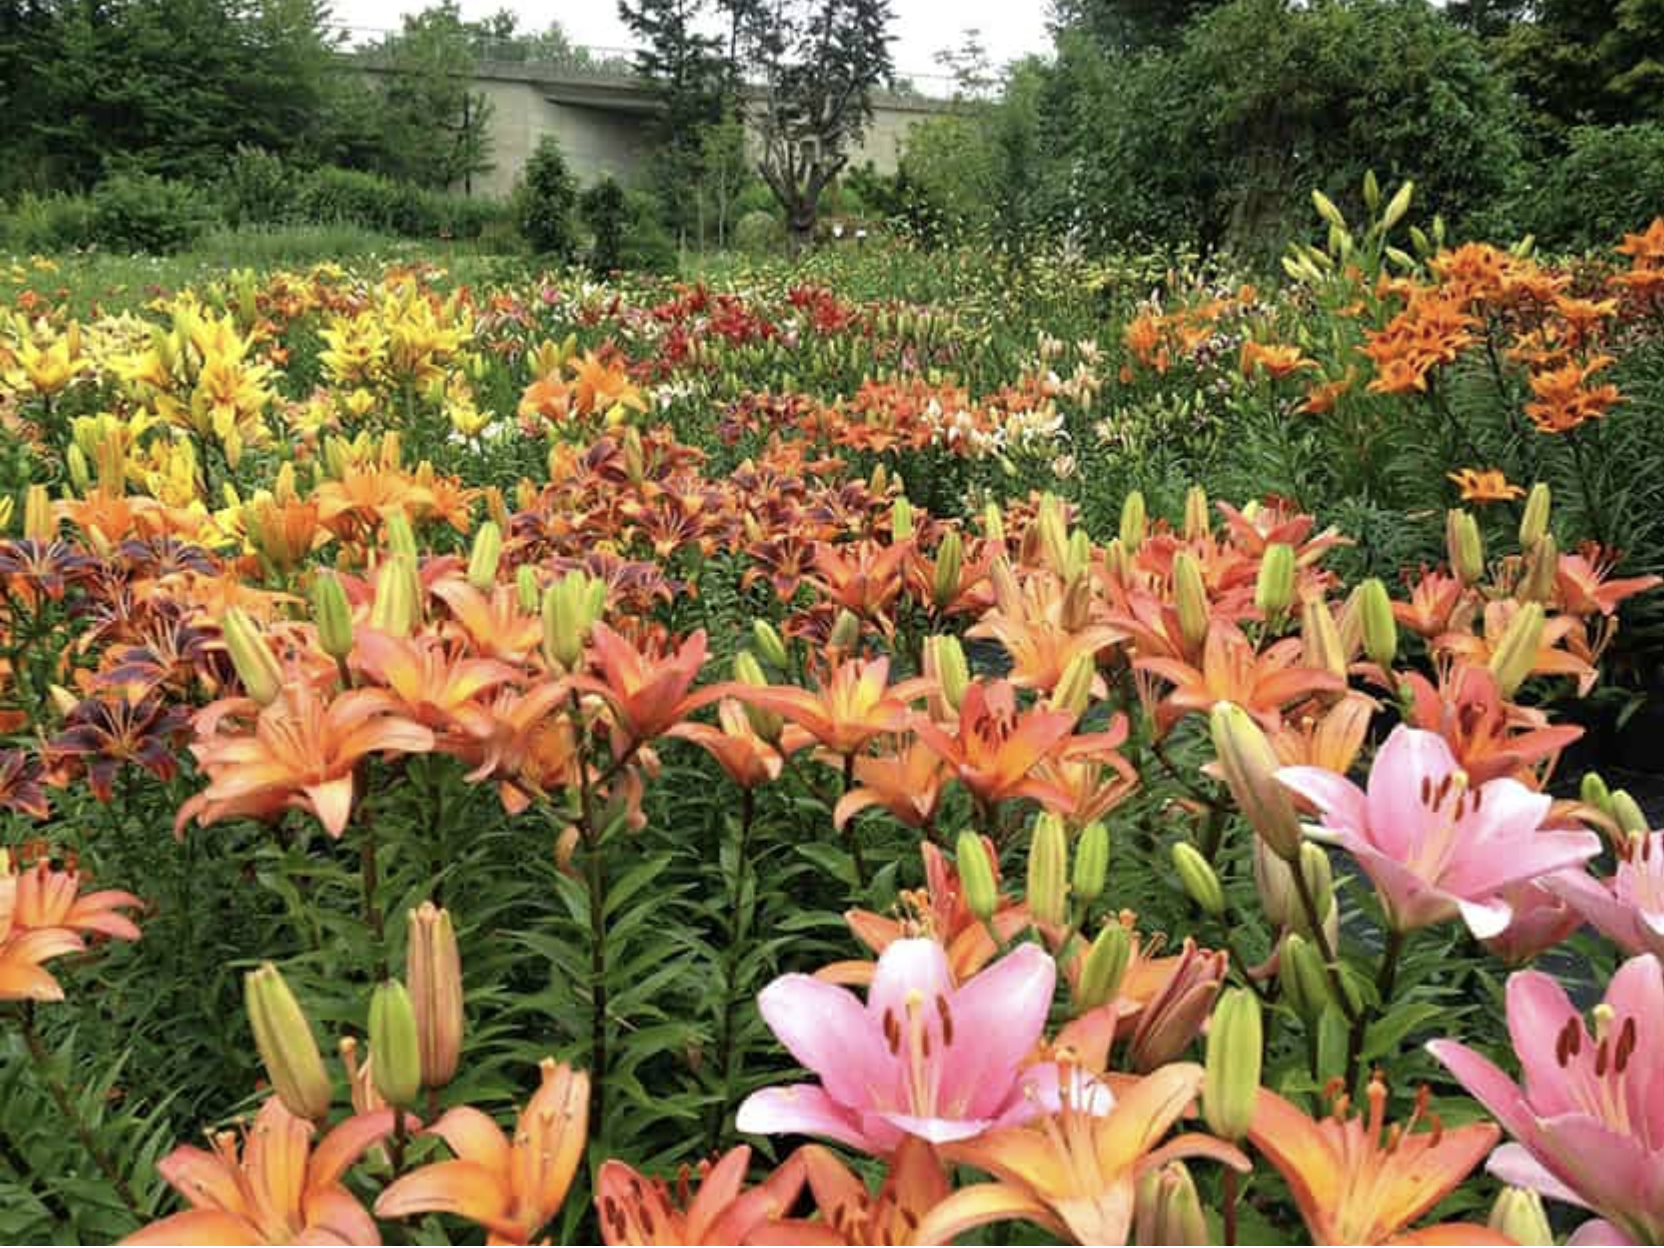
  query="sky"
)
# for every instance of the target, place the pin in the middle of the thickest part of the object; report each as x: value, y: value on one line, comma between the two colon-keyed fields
x: 1009, y: 28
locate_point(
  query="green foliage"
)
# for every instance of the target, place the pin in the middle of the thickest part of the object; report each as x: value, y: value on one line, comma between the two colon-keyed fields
x: 434, y: 129
x: 606, y: 213
x: 1609, y: 181
x: 758, y: 233
x: 545, y: 199
x: 1586, y: 62
x: 331, y: 195
x: 137, y: 212
x: 257, y: 187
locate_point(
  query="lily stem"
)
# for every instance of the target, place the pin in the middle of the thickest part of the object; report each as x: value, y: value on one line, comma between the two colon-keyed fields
x: 730, y: 1003
x: 1385, y: 978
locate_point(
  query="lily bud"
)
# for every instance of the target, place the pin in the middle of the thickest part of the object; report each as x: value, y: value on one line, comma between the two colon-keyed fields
x: 1133, y: 522
x: 1196, y: 514
x: 80, y: 475
x: 1465, y: 546
x: 1274, y: 588
x: 1190, y: 596
x: 395, y: 1051
x: 401, y: 538
x: 1118, y: 561
x: 846, y: 632
x: 1518, y: 1216
x: 1197, y: 877
x: 1516, y: 654
x: 1048, y: 871
x: 332, y: 614
x: 63, y: 702
x: 1008, y: 595
x: 526, y: 588
x: 770, y: 644
x: 1627, y: 812
x: 766, y: 724
x: 286, y: 1045
x: 39, y: 524
x: 976, y: 875
x: 1321, y: 645
x: 1304, y: 982
x: 1105, y: 966
x: 1073, y: 692
x: 901, y: 519
x: 1168, y: 1210
x: 1593, y: 792
x: 433, y: 967
x: 1235, y: 1055
x: 1320, y: 883
x: 1534, y: 520
x: 1250, y: 766
x: 1542, y: 571
x: 1091, y: 862
x: 487, y: 552
x: 950, y: 563
x: 945, y: 660
x: 1274, y: 883
x: 257, y: 667
x: 1077, y: 557
x: 570, y: 608
x: 1380, y: 630
x: 393, y: 610
x: 993, y: 523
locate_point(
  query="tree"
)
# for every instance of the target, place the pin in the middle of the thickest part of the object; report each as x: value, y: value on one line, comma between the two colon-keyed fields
x: 816, y: 63
x: 1128, y: 25
x: 968, y: 65
x: 724, y: 169
x: 1587, y: 62
x: 435, y: 128
x: 545, y: 199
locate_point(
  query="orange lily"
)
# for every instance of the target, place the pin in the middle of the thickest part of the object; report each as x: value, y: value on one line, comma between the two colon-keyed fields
x: 850, y: 1214
x: 438, y: 688
x: 997, y: 747
x: 648, y: 694
x: 280, y: 1190
x: 854, y: 704
x: 1231, y: 671
x: 1356, y: 1185
x: 1034, y: 628
x: 864, y: 578
x: 44, y: 897
x: 302, y: 754
x: 527, y: 748
x: 907, y: 784
x: 637, y: 1210
x: 1075, y: 1173
x: 511, y: 1189
x: 1476, y: 649
x: 1485, y: 485
x: 494, y: 626
x: 749, y: 760
x: 1583, y: 584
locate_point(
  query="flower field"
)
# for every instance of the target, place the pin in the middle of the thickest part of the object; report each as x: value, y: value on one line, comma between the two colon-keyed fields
x: 900, y: 749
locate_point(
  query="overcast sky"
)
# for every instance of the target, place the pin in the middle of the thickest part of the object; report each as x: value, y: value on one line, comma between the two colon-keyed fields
x: 1010, y: 28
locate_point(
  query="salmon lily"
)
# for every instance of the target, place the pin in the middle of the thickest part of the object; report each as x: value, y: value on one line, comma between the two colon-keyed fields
x: 438, y: 687
x: 1231, y: 671
x: 279, y: 1190
x: 1588, y: 1112
x: 907, y: 784
x: 1358, y: 1181
x: 851, y: 1214
x: 1076, y: 1172
x: 302, y: 753
x: 997, y: 747
x: 1435, y: 844
x: 509, y: 1188
x: 854, y: 704
x: 924, y: 1056
x: 637, y: 1210
x: 41, y: 917
x: 648, y: 694
x: 749, y: 760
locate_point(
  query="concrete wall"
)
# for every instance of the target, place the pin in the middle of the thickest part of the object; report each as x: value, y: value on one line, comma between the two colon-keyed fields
x: 602, y: 122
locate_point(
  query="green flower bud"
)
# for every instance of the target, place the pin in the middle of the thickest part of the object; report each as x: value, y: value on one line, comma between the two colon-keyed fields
x: 570, y: 608
x: 1250, y: 765
x: 1627, y: 811
x: 1465, y: 546
x: 1534, y: 520
x: 1105, y: 966
x: 1380, y: 630
x: 770, y: 644
x: 526, y: 588
x: 1542, y: 571
x: 1167, y: 1209
x: 1074, y: 688
x: 1594, y: 793
x: 395, y: 1050
x: 846, y: 632
x: 257, y: 667
x: 1304, y: 981
x: 1516, y: 653
x: 1518, y: 1215
x: 285, y: 1043
x: 950, y: 563
x: 393, y: 610
x: 487, y: 552
x: 1077, y: 556
x: 1197, y: 517
x: 1134, y: 520
x: 332, y: 614
x: 976, y: 875
x: 1274, y: 588
x: 1091, y: 862
x: 1321, y: 645
x: 901, y: 519
x: 993, y: 522
x: 80, y: 474
x: 1190, y: 595
x: 945, y: 659
x: 1048, y: 872
x: 401, y: 538
x: 1234, y: 1059
x: 1200, y: 884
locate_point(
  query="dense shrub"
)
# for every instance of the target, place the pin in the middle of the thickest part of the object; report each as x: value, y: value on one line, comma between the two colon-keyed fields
x: 47, y: 223
x: 759, y: 231
x: 545, y: 199
x: 1608, y: 179
x: 140, y: 213
x: 346, y: 196
x: 259, y: 188
x: 607, y: 215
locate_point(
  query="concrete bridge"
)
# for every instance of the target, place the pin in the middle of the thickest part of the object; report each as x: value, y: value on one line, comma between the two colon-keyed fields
x: 601, y: 117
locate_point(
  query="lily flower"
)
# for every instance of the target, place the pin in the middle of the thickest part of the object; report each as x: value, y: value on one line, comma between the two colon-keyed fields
x: 1588, y: 1114
x: 924, y: 1056
x: 1584, y: 586
x: 302, y: 754
x: 495, y: 626
x: 1436, y: 845
x: 637, y: 1210
x: 851, y: 1214
x: 44, y: 897
x: 648, y: 694
x: 511, y: 1189
x: 1075, y: 1172
x: 1358, y: 1181
x: 1232, y: 671
x: 1489, y: 735
x: 997, y: 747
x: 279, y: 1190
x: 854, y: 704
x: 438, y: 689
x: 749, y: 760
x: 1628, y: 908
x: 907, y: 784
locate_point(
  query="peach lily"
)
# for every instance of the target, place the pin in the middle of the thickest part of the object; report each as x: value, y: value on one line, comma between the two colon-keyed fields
x: 637, y: 1210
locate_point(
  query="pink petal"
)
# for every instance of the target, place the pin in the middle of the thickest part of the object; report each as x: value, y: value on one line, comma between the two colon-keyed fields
x: 1341, y: 802
x: 1395, y: 779
x: 906, y: 967
x: 1488, y: 1085
x: 1538, y: 1009
x: 1518, y: 1168
x: 827, y: 1030
x: 1597, y: 1231
x: 805, y: 1109
x: 1486, y: 919
x: 998, y: 1017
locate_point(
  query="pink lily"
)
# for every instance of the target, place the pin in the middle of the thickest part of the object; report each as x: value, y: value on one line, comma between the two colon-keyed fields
x: 1628, y: 909
x: 1434, y: 844
x: 921, y: 1057
x: 1588, y: 1116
